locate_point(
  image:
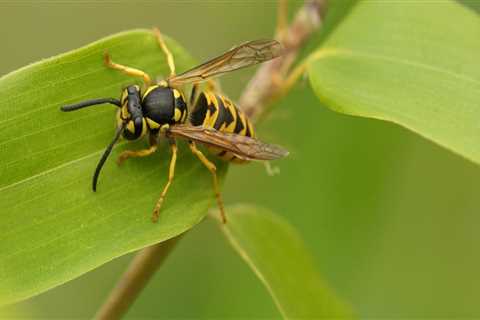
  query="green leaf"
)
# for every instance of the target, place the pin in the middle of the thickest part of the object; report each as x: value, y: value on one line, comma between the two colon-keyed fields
x: 279, y: 258
x: 472, y: 4
x: 413, y: 63
x: 53, y: 227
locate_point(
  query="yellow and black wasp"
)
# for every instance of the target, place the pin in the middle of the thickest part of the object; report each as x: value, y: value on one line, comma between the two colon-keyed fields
x: 160, y: 109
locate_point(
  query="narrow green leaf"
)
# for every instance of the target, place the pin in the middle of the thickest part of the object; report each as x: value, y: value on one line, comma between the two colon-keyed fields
x: 414, y: 63
x: 279, y: 258
x: 53, y: 227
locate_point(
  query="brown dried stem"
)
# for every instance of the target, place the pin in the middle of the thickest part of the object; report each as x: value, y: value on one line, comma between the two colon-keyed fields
x: 269, y: 82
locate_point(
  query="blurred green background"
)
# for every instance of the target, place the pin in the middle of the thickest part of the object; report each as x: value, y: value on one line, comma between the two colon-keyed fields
x: 390, y: 218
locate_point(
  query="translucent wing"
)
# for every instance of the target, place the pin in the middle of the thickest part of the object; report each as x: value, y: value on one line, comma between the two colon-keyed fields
x: 244, y: 55
x: 243, y: 147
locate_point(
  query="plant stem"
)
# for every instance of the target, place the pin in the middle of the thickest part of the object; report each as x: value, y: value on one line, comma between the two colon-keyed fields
x: 139, y: 272
x: 267, y: 85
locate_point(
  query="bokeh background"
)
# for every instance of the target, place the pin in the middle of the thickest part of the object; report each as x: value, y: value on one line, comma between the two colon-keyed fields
x: 391, y: 219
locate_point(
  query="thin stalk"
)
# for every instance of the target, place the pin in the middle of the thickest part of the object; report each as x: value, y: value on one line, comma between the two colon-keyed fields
x: 135, y: 278
x: 268, y: 84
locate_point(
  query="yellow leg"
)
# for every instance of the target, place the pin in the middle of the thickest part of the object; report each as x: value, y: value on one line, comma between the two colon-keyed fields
x: 127, y: 70
x: 166, y: 51
x: 171, y: 174
x: 135, y: 154
x: 139, y: 153
x: 282, y: 19
x: 213, y: 169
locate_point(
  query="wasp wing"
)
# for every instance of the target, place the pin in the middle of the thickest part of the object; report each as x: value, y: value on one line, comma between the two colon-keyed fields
x: 243, y: 147
x: 247, y: 54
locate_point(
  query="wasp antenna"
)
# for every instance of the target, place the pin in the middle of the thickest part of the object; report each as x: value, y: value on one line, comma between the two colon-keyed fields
x: 88, y: 103
x: 105, y: 156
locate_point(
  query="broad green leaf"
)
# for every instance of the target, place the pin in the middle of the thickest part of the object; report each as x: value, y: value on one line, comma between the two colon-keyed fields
x: 472, y: 4
x: 279, y: 258
x: 53, y: 227
x: 414, y: 63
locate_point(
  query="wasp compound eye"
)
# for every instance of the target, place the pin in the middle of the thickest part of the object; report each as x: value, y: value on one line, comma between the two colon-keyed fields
x: 134, y: 105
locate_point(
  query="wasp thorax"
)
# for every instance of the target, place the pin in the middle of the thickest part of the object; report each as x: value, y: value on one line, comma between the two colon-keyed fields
x: 163, y: 105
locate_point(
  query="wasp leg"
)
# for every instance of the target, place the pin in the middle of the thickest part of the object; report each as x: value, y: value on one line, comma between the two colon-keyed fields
x: 213, y: 169
x: 138, y: 153
x: 166, y: 51
x: 135, y: 153
x: 171, y: 174
x: 282, y: 19
x: 127, y: 70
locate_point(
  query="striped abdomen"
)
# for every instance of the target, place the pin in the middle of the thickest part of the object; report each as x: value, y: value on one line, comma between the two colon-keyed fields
x: 218, y: 112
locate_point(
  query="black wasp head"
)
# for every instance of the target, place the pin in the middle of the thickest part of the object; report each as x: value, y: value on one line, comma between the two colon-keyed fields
x: 131, y: 113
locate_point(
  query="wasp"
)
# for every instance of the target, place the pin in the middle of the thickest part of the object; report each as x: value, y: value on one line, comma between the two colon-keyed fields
x: 160, y: 109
